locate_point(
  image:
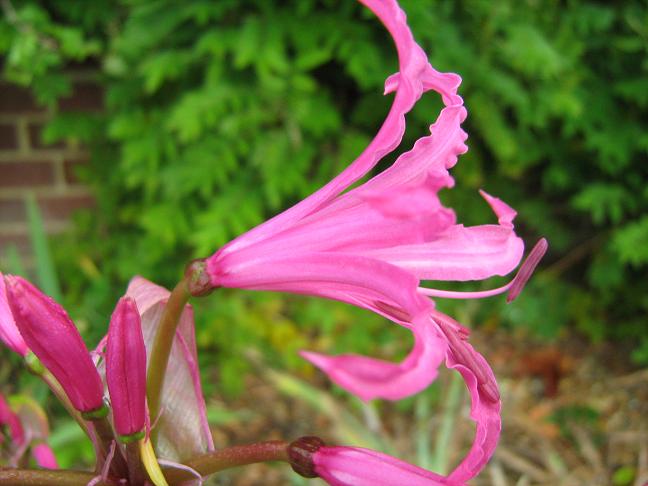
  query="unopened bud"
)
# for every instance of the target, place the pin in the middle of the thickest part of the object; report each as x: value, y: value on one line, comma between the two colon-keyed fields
x: 300, y: 453
x: 198, y: 281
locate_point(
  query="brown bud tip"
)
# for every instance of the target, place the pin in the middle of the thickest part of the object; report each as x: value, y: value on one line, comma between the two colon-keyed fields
x: 300, y: 453
x: 198, y: 281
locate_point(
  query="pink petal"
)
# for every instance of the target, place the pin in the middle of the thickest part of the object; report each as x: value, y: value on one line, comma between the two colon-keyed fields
x: 44, y: 456
x: 415, y: 77
x: 485, y: 409
x: 354, y: 466
x: 370, y: 378
x: 505, y: 213
x: 9, y: 333
x: 462, y: 253
x: 183, y: 427
x: 343, y: 277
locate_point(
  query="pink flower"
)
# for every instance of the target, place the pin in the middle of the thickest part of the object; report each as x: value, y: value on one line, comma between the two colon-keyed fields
x: 372, y: 245
x: 9, y: 333
x: 348, y: 246
x: 53, y: 338
x: 126, y: 368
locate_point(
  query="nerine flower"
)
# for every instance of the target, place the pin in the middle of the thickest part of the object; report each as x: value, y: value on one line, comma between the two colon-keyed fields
x: 372, y: 245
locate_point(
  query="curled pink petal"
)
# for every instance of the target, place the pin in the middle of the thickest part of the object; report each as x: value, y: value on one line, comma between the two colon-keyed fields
x: 370, y: 378
x: 355, y: 466
x: 415, y: 77
x: 505, y: 213
x: 49, y: 332
x: 44, y: 456
x: 486, y: 405
x: 9, y: 333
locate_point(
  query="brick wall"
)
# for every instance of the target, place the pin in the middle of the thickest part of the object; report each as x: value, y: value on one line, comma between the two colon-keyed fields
x: 28, y: 166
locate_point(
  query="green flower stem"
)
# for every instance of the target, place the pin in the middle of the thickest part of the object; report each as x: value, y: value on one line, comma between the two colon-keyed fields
x: 35, y: 367
x: 29, y: 477
x: 159, y: 357
x: 211, y: 462
x: 444, y: 434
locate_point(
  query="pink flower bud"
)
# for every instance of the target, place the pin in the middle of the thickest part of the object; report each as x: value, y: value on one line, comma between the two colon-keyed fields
x: 51, y: 335
x: 44, y: 456
x: 126, y: 368
x: 9, y: 333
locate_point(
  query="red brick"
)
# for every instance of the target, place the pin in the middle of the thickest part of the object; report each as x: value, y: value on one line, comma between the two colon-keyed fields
x: 35, y: 139
x: 12, y: 211
x: 16, y: 99
x: 26, y: 174
x: 72, y: 168
x: 8, y: 138
x: 86, y: 96
x: 62, y: 207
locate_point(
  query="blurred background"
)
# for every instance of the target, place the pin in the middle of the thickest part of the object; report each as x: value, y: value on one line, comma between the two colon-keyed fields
x: 136, y: 135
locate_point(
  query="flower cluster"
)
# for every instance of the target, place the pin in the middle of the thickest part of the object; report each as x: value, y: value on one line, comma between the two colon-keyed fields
x: 371, y: 246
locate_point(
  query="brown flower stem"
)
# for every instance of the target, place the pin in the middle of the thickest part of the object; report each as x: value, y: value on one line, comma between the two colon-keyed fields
x: 28, y: 477
x: 104, y: 438
x: 161, y: 350
x: 211, y: 462
x: 136, y: 472
x: 204, y: 464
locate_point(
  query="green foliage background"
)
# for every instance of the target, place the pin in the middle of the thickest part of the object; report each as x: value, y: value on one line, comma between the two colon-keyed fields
x: 219, y: 114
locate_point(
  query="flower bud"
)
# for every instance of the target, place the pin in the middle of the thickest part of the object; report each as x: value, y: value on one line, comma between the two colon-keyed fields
x: 126, y: 368
x: 51, y: 335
